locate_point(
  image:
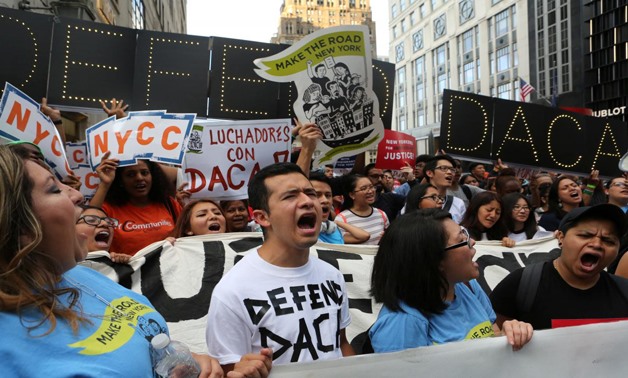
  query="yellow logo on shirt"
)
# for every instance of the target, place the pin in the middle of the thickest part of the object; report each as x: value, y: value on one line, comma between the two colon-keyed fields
x: 117, y: 327
x: 484, y: 329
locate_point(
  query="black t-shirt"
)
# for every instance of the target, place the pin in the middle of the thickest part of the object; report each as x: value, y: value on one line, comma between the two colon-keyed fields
x: 555, y: 300
x: 391, y: 203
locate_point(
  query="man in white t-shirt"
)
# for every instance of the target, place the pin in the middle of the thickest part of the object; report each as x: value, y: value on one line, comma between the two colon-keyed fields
x: 277, y: 296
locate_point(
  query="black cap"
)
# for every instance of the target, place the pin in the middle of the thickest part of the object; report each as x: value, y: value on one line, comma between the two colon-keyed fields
x: 474, y: 164
x: 604, y: 211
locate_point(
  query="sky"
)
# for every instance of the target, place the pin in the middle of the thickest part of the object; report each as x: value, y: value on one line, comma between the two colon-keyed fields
x: 257, y: 20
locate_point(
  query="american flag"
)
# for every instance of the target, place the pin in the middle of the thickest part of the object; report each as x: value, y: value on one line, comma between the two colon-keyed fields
x: 524, y: 89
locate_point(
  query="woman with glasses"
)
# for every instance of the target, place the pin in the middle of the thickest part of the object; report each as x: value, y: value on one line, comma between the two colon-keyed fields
x: 358, y: 210
x: 98, y: 227
x: 423, y: 196
x: 425, y: 278
x: 484, y: 220
x: 520, y: 220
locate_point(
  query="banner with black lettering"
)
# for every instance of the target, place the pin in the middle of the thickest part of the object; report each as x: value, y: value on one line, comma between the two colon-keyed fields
x: 179, y: 279
x: 222, y: 156
x: 332, y: 71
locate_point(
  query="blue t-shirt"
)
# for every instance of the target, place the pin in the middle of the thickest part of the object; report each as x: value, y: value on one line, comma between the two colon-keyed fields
x: 468, y: 316
x: 333, y: 238
x: 113, y: 345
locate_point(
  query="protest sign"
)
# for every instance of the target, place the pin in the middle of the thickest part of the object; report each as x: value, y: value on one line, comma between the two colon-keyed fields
x: 21, y: 119
x: 152, y: 135
x: 485, y: 128
x: 76, y: 153
x: 179, y: 279
x: 88, y: 178
x: 331, y: 69
x: 222, y: 156
x: 396, y: 150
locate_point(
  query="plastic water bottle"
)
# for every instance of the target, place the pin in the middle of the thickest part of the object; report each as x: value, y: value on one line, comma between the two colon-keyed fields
x: 173, y: 359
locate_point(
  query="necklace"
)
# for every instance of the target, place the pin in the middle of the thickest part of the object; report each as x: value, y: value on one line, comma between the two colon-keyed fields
x: 87, y: 290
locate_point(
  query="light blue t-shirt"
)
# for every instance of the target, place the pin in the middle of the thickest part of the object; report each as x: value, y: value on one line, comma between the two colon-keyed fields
x: 113, y: 345
x: 333, y: 238
x: 468, y: 316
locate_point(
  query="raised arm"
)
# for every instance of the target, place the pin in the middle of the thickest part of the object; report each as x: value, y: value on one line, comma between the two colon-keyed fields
x: 310, y: 134
x: 106, y: 172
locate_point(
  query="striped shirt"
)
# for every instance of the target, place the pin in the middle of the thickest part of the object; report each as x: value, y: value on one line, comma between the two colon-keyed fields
x: 375, y: 223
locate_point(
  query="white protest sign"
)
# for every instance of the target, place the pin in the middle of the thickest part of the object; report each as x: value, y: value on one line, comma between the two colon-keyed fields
x: 88, y: 178
x: 596, y: 350
x: 222, y: 157
x: 180, y: 283
x: 152, y: 135
x: 76, y: 153
x: 21, y: 119
x: 332, y: 71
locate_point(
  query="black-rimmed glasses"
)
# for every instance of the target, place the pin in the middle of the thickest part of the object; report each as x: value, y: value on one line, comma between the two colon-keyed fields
x: 461, y: 244
x: 94, y: 220
x: 434, y: 197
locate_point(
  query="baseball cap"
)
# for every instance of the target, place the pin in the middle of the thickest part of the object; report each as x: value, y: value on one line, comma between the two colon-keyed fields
x: 604, y: 211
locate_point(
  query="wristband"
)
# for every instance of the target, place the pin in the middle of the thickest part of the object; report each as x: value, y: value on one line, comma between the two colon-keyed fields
x: 58, y: 121
x: 587, y: 192
x: 591, y: 186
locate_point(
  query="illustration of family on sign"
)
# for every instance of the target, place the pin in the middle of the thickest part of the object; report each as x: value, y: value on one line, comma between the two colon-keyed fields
x: 339, y: 103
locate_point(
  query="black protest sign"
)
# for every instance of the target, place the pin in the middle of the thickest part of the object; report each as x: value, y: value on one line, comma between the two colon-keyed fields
x: 25, y: 40
x: 171, y: 72
x: 466, y: 124
x: 90, y: 62
x: 383, y: 86
x: 485, y: 128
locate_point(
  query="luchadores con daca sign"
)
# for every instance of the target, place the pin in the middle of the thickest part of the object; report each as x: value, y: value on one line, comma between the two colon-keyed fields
x: 75, y: 63
x: 485, y: 128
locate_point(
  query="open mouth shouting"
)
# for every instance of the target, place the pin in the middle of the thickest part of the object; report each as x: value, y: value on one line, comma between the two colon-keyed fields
x: 102, y: 239
x: 325, y: 210
x: 589, y: 261
x: 214, y: 227
x: 307, y: 223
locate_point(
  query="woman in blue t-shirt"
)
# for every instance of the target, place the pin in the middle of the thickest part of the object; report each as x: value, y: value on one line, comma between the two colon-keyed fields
x: 425, y: 277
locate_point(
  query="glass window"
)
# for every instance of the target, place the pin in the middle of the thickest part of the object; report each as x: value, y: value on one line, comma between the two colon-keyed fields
x: 401, y: 75
x: 402, y: 5
x: 503, y: 59
x: 468, y: 73
x: 503, y: 91
x: 422, y: 10
x: 412, y: 18
x: 467, y: 41
x: 417, y: 41
x: 434, y: 4
x: 421, y: 117
x: 403, y: 26
x: 138, y: 14
x: 393, y: 10
x: 441, y: 83
x: 501, y: 23
x: 440, y: 55
x: 491, y: 57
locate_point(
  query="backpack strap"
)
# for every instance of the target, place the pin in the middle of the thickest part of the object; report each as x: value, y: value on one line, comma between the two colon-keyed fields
x: 528, y: 286
x: 467, y: 191
x: 449, y: 200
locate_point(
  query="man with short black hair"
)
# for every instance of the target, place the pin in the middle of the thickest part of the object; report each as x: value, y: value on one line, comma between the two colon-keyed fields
x: 440, y: 171
x: 389, y: 202
x: 278, y: 296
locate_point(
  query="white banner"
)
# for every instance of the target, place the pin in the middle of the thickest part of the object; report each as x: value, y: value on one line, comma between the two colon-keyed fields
x: 21, y: 119
x: 153, y: 135
x: 222, y: 156
x: 596, y: 350
x: 179, y: 279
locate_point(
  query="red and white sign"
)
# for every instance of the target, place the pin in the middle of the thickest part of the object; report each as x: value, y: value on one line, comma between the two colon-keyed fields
x: 395, y: 150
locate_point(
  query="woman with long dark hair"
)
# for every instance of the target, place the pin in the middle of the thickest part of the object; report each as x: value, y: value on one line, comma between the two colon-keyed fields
x: 564, y: 195
x: 139, y: 197
x: 519, y: 219
x: 483, y: 219
x: 425, y: 278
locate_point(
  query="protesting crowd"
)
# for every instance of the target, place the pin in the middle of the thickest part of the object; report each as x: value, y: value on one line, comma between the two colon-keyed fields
x: 279, y: 305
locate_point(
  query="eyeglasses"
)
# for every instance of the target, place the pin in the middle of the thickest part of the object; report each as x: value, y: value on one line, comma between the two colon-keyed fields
x: 446, y: 168
x: 94, y: 220
x: 364, y: 189
x: 519, y: 208
x: 434, y: 197
x: 461, y: 244
x: 620, y: 184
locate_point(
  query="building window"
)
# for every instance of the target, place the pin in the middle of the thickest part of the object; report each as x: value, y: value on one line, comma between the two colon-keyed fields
x: 503, y: 91
x: 503, y: 59
x: 402, y: 5
x: 440, y: 56
x: 434, y: 4
x: 468, y: 73
x: 467, y: 41
x: 440, y: 26
x: 466, y: 10
x: 403, y: 26
x: 394, y: 33
x: 393, y: 11
x: 412, y: 18
x: 501, y: 23
x: 422, y: 10
x: 138, y: 14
